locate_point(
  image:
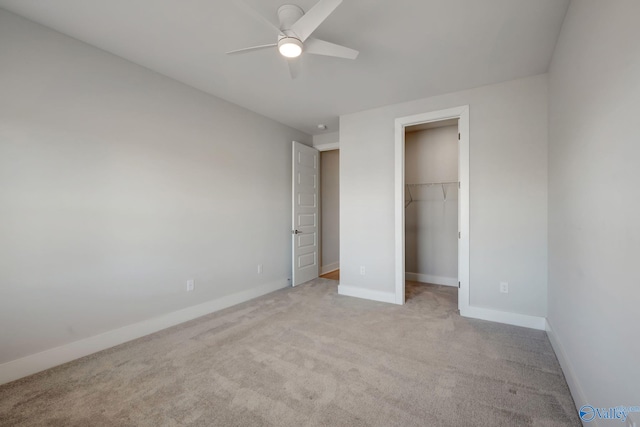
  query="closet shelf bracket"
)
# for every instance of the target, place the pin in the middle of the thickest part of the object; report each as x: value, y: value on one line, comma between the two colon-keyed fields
x: 442, y: 185
x: 406, y: 205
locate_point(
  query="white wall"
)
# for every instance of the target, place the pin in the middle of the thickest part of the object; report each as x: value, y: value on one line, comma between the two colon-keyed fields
x: 330, y: 215
x: 594, y: 207
x: 508, y: 193
x: 431, y: 222
x: 326, y: 138
x: 117, y: 185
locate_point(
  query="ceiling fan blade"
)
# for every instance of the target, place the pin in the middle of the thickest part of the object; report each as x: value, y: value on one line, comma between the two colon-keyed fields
x: 294, y: 67
x: 311, y: 20
x: 259, y: 16
x: 252, y: 48
x: 321, y: 47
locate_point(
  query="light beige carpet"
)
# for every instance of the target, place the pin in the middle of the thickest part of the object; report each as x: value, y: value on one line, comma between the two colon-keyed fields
x: 309, y: 357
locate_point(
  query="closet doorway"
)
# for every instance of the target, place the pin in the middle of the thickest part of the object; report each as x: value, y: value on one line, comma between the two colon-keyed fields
x: 431, y: 205
x: 432, y: 201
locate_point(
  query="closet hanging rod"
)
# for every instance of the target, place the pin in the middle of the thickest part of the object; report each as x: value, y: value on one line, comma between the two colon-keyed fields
x: 442, y: 184
x: 431, y: 183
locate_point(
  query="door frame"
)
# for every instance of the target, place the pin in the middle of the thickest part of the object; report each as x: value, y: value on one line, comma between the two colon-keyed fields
x: 327, y: 147
x: 321, y: 147
x: 462, y: 114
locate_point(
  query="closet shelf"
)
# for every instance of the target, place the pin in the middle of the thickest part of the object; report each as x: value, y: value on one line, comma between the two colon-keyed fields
x: 443, y: 184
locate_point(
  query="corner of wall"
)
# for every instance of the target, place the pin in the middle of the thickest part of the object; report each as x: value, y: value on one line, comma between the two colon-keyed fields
x: 567, y: 368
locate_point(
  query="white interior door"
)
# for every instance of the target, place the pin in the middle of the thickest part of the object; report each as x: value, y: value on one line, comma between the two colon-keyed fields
x: 306, y: 167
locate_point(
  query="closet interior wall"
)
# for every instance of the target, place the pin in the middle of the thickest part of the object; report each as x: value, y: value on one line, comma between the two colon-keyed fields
x: 431, y: 214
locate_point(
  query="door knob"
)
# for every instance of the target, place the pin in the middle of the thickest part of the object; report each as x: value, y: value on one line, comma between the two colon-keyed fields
x: 297, y: 232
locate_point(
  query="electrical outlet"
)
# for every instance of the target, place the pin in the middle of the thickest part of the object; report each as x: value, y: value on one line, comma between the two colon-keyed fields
x: 259, y: 268
x: 504, y: 287
x: 362, y: 270
x: 191, y: 285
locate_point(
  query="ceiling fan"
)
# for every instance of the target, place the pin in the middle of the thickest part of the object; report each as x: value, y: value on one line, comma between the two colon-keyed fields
x: 295, y: 30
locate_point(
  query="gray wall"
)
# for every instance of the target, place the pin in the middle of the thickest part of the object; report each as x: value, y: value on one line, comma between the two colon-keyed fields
x: 594, y: 207
x: 431, y: 222
x: 508, y: 193
x: 117, y: 185
x: 330, y: 200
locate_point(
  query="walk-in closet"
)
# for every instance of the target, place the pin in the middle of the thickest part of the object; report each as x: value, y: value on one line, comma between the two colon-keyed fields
x: 431, y: 203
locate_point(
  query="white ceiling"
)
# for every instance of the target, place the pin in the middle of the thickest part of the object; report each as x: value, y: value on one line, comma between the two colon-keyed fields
x: 409, y: 49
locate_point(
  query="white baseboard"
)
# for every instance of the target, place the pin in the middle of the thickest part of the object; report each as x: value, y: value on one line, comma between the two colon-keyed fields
x: 329, y: 268
x: 33, y: 363
x: 516, y: 319
x: 353, y: 291
x: 429, y: 278
x: 577, y: 392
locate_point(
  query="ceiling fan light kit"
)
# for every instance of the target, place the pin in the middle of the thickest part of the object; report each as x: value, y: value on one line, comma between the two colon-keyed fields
x: 290, y: 47
x: 295, y: 30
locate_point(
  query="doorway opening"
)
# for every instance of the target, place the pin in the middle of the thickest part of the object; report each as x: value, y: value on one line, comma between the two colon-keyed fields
x: 431, y: 205
x: 432, y: 201
x: 330, y: 214
x: 315, y: 213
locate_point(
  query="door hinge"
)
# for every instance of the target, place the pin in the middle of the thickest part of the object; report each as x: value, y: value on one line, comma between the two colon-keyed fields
x: 458, y: 136
x: 459, y: 236
x: 458, y: 285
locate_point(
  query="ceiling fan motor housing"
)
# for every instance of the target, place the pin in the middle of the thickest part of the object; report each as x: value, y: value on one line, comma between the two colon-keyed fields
x: 288, y: 14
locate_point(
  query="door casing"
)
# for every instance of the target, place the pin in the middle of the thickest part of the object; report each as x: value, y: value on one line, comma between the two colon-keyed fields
x: 462, y: 114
